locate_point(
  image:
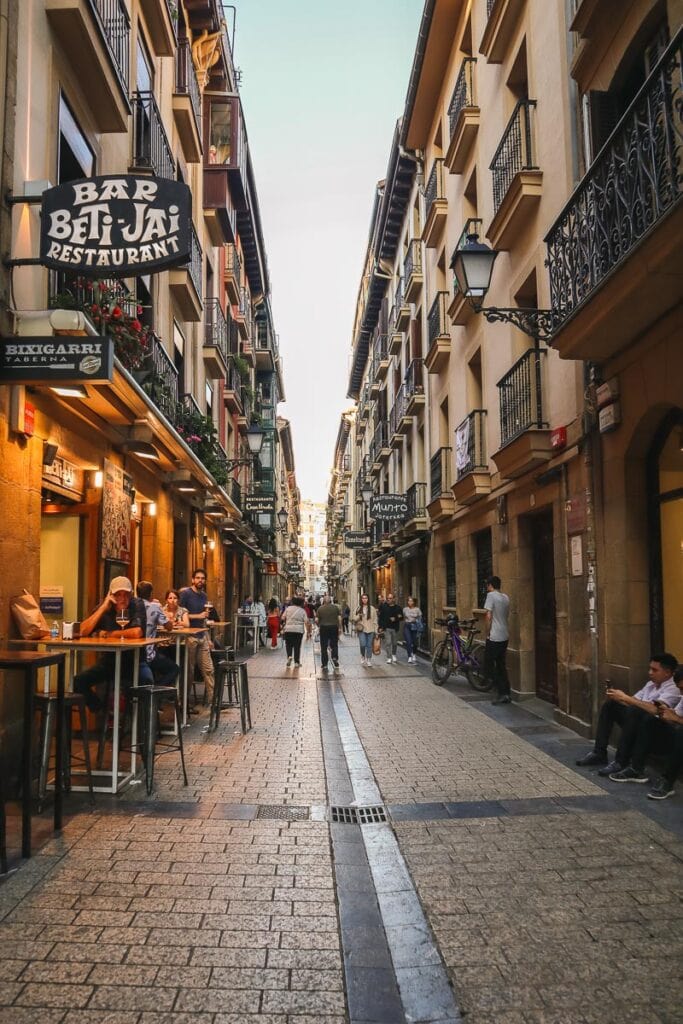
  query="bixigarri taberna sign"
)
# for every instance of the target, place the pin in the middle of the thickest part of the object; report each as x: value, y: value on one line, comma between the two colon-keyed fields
x: 56, y: 359
x: 116, y: 225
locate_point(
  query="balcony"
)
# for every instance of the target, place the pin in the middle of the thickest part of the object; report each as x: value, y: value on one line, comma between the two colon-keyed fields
x: 436, y: 206
x: 463, y: 118
x: 502, y: 18
x: 151, y: 148
x: 266, y: 346
x: 460, y: 310
x: 471, y: 464
x: 395, y: 332
x: 228, y: 144
x: 242, y: 315
x: 441, y: 503
x: 399, y: 420
x: 232, y: 390
x: 414, y: 385
x: 345, y: 466
x: 161, y: 25
x: 438, y: 335
x: 220, y: 216
x: 615, y: 253
x: 373, y: 379
x: 379, y: 448
x: 401, y: 308
x: 380, y: 535
x: 413, y: 277
x: 187, y: 104
x: 160, y: 379
x: 245, y: 399
x: 524, y: 434
x: 185, y: 283
x: 233, y: 274
x: 95, y: 38
x: 381, y: 359
x: 416, y: 499
x: 215, y: 351
x: 517, y: 182
x: 234, y: 492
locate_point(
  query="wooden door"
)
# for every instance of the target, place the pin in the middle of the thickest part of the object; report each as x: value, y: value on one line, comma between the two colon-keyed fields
x: 545, y: 626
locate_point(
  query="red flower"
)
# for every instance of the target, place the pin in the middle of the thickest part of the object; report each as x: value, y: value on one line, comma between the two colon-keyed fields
x: 116, y: 312
x: 139, y: 310
x: 136, y: 325
x: 95, y: 309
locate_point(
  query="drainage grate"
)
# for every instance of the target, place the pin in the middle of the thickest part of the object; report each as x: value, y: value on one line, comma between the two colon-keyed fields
x: 283, y: 812
x: 358, y: 815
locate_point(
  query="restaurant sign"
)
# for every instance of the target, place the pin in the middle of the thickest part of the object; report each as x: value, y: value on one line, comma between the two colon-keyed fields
x: 116, y: 225
x: 259, y: 504
x: 55, y: 359
x: 357, y: 539
x: 389, y: 507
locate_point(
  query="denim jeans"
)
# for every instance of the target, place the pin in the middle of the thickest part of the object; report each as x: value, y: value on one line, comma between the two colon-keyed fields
x: 410, y: 636
x: 365, y: 641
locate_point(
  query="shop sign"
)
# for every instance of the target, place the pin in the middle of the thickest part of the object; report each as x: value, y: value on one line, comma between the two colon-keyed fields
x: 116, y: 225
x: 292, y: 568
x: 29, y: 419
x: 270, y: 568
x: 52, y: 601
x: 575, y: 509
x: 259, y: 504
x: 389, y: 507
x: 357, y: 539
x: 63, y: 474
x: 56, y: 359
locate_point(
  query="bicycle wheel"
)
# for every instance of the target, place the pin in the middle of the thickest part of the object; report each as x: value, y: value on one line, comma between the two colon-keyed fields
x: 474, y: 674
x: 442, y: 662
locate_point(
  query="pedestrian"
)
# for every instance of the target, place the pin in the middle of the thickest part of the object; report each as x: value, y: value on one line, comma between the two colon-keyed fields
x: 412, y: 627
x: 310, y: 616
x: 365, y: 622
x: 329, y: 620
x: 497, y: 607
x: 194, y: 600
x: 389, y: 617
x: 346, y: 615
x: 273, y: 620
x: 159, y: 669
x: 258, y: 608
x: 293, y: 627
x: 627, y: 711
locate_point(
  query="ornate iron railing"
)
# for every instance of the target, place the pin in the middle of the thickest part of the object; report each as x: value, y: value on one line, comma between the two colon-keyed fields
x: 515, y: 151
x: 380, y: 349
x: 416, y: 500
x: 162, y: 385
x: 398, y: 410
x: 233, y: 380
x: 190, y: 404
x: 437, y: 322
x: 233, y: 263
x: 114, y: 23
x: 414, y: 381
x: 440, y: 472
x: 234, y: 492
x: 186, y: 79
x: 413, y: 260
x: 636, y: 178
x: 151, y: 148
x: 195, y: 264
x: 435, y: 187
x: 470, y: 444
x: 233, y: 338
x: 345, y: 463
x: 380, y: 440
x: 521, y: 396
x: 215, y: 327
x: 397, y: 306
x: 247, y: 402
x: 463, y: 93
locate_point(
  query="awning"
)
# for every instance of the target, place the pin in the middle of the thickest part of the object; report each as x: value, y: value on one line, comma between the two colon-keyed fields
x: 412, y: 549
x: 382, y: 560
x: 242, y: 546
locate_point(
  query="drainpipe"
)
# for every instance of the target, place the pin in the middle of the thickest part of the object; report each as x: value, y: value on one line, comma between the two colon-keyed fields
x: 591, y: 454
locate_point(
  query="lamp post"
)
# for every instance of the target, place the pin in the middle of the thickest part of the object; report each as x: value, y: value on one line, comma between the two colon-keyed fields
x: 282, y: 520
x: 472, y: 264
x: 255, y: 438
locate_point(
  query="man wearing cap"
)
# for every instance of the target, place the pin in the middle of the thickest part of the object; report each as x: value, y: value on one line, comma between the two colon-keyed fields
x: 103, y: 623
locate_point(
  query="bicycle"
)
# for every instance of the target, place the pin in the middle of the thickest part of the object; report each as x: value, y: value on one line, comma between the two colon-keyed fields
x: 455, y: 653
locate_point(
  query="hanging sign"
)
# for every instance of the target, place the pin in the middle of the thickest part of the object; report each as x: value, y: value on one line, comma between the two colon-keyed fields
x: 357, y: 539
x: 56, y: 359
x: 259, y: 504
x: 116, y: 225
x: 388, y: 507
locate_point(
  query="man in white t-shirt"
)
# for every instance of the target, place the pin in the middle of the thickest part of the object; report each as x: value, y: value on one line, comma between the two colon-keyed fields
x: 497, y: 607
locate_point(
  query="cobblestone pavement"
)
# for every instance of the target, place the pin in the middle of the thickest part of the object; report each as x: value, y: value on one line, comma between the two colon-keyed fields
x: 200, y: 906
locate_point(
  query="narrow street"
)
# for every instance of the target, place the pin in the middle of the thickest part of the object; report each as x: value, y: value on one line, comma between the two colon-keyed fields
x: 505, y: 887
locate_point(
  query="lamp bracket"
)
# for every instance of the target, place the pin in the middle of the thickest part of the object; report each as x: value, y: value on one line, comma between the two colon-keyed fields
x: 539, y: 324
x: 232, y: 464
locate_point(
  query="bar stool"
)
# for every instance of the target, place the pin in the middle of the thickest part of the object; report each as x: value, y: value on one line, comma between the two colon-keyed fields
x: 226, y: 672
x: 149, y: 699
x: 47, y: 705
x: 124, y: 718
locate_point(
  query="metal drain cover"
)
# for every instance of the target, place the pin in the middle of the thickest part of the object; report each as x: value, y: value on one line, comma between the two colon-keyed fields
x: 358, y: 815
x: 283, y: 812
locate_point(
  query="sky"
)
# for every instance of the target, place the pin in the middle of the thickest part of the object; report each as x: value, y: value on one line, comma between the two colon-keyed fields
x: 323, y: 84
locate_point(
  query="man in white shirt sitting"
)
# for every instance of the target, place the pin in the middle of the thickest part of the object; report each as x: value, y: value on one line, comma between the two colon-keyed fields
x: 671, y: 721
x: 627, y: 711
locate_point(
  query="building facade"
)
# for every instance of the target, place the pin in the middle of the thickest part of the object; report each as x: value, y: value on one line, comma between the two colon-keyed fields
x: 147, y: 473
x: 523, y: 442
x: 313, y: 542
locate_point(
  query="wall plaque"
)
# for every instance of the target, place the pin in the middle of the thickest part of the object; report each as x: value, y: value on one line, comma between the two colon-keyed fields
x: 357, y: 539
x: 259, y: 504
x: 56, y: 359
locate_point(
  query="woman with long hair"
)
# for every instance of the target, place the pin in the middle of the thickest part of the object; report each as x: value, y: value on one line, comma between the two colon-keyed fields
x: 412, y: 628
x: 294, y: 622
x: 365, y: 621
x: 176, y: 615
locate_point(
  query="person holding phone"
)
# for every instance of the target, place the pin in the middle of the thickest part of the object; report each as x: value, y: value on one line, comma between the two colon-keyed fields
x: 620, y: 708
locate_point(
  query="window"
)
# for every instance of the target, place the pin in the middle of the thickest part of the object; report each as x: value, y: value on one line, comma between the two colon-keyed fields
x: 144, y: 67
x: 449, y: 561
x: 484, y: 547
x: 220, y: 133
x: 75, y: 158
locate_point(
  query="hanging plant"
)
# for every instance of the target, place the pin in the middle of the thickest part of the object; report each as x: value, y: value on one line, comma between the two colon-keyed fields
x: 112, y: 312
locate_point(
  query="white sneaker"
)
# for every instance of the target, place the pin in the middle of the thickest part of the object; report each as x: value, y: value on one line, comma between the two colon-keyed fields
x: 363, y: 662
x: 388, y: 661
x: 289, y: 660
x: 395, y: 660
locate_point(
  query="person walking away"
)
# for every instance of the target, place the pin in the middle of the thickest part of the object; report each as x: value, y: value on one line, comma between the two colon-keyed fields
x: 365, y: 621
x: 329, y: 622
x: 412, y: 622
x: 194, y: 600
x: 389, y: 615
x: 103, y: 622
x: 159, y: 669
x: 258, y: 608
x: 273, y: 620
x: 310, y: 616
x: 346, y: 616
x: 293, y: 626
x: 627, y: 711
x: 497, y: 607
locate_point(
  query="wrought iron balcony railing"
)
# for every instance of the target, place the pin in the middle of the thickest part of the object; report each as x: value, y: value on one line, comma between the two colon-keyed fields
x: 112, y: 18
x: 437, y: 323
x: 398, y: 411
x: 380, y: 348
x: 345, y: 463
x: 413, y: 260
x: 463, y: 93
x: 440, y: 473
x: 521, y: 396
x: 233, y: 263
x: 416, y: 500
x: 162, y: 384
x: 186, y: 79
x: 151, y: 148
x: 215, y: 327
x: 190, y: 404
x: 195, y: 264
x: 380, y: 440
x: 631, y: 185
x: 234, y: 492
x: 247, y: 401
x: 414, y: 382
x: 515, y: 151
x: 470, y: 444
x: 233, y: 380
x: 435, y: 186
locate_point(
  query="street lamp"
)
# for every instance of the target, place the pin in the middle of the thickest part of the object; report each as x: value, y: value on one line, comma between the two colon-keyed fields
x: 472, y: 264
x: 255, y: 436
x: 283, y: 520
x: 367, y: 491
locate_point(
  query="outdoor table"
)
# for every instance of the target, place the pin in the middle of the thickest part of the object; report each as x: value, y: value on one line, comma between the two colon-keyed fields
x: 29, y: 662
x: 252, y: 623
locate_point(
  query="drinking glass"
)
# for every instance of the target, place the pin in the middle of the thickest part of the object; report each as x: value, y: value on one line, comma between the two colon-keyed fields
x: 122, y: 620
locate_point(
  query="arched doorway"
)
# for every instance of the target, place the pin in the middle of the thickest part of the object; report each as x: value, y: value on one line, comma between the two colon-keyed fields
x: 665, y: 499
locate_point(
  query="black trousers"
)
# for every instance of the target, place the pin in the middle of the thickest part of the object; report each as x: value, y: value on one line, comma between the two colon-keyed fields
x: 653, y: 735
x: 494, y: 665
x: 329, y: 637
x: 629, y: 718
x: 101, y: 672
x: 293, y: 645
x: 164, y: 669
